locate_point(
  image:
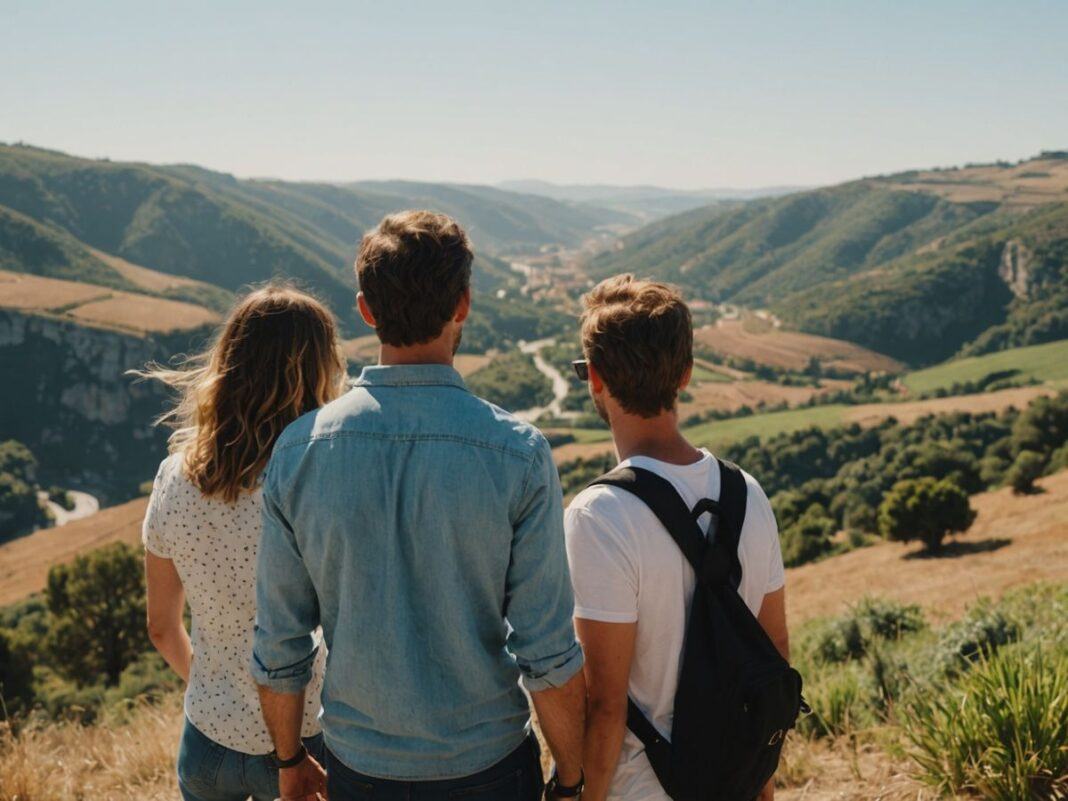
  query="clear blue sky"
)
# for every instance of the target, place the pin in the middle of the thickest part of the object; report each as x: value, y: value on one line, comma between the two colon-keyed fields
x: 680, y: 94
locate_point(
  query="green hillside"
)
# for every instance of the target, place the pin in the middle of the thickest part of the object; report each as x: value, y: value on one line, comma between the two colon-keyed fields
x: 1048, y: 362
x: 187, y: 221
x: 917, y: 266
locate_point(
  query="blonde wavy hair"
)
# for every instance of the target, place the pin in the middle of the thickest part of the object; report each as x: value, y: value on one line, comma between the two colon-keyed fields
x: 276, y: 357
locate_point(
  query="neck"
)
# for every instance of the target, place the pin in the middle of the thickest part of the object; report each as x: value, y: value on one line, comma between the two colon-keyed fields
x: 656, y: 437
x: 435, y: 352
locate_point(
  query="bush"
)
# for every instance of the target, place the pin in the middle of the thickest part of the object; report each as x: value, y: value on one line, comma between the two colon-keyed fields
x: 924, y: 509
x: 840, y: 640
x: 1001, y: 733
x: 1025, y: 471
x: 808, y: 538
x: 980, y: 633
x: 889, y: 620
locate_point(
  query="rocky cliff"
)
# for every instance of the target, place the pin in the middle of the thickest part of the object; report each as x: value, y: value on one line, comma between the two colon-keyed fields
x: 65, y: 395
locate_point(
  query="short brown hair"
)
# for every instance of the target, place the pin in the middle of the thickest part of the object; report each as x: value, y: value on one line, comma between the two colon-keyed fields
x: 413, y: 269
x: 638, y: 335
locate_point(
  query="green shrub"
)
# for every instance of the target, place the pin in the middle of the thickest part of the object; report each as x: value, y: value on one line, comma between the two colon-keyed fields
x: 841, y: 640
x: 1001, y: 733
x: 1027, y: 468
x: 889, y: 619
x: 979, y: 634
x: 808, y: 538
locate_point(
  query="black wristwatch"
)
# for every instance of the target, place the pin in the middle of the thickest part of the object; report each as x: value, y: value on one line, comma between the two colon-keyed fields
x: 292, y: 762
x: 556, y: 790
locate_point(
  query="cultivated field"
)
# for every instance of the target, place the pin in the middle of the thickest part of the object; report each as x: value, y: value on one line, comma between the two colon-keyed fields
x: 1048, y: 362
x: 99, y: 306
x: 143, y: 277
x: 1029, y: 184
x: 788, y: 349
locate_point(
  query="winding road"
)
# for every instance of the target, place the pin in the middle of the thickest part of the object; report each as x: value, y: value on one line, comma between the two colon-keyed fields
x: 559, y: 381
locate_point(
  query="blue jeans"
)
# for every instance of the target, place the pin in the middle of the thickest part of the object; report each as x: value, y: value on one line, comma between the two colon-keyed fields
x: 208, y: 771
x: 517, y: 777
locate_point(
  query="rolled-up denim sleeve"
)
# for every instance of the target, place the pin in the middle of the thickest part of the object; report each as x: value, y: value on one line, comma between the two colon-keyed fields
x: 287, y: 608
x: 539, y: 603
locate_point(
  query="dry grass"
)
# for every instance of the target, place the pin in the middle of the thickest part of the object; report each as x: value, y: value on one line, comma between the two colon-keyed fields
x: 24, y: 562
x: 1015, y: 540
x: 32, y: 292
x: 142, y: 313
x: 1029, y: 184
x: 908, y: 412
x: 70, y: 762
x: 151, y: 280
x: 99, y: 306
x: 788, y: 349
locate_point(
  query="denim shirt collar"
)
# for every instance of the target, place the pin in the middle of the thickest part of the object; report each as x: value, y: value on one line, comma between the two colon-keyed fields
x: 410, y: 375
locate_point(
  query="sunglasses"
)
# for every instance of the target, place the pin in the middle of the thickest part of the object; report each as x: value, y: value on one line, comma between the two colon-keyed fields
x: 582, y: 369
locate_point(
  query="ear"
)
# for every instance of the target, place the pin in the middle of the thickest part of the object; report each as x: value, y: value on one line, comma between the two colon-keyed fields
x: 463, y: 308
x: 686, y: 378
x: 596, y: 382
x: 365, y: 310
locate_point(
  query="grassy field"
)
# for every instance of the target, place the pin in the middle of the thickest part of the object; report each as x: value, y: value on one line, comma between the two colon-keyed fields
x: 1047, y: 362
x: 1032, y: 183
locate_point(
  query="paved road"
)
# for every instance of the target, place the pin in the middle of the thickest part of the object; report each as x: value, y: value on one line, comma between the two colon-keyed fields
x: 84, y: 505
x: 559, y: 382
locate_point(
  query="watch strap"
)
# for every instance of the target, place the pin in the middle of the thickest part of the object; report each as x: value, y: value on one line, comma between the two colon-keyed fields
x: 292, y: 762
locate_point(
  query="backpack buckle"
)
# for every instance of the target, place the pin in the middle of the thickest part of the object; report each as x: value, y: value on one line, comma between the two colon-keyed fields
x: 777, y: 737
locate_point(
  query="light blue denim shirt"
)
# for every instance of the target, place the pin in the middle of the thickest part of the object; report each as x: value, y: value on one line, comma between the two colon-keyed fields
x: 423, y: 529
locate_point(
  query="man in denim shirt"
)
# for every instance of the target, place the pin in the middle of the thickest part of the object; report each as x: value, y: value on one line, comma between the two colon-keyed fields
x: 422, y: 528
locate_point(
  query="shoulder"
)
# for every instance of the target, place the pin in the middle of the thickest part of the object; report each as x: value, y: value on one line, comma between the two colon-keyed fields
x: 171, y: 475
x: 500, y: 428
x: 603, y: 511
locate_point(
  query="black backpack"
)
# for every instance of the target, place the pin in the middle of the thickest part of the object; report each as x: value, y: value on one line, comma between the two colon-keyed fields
x: 737, y: 697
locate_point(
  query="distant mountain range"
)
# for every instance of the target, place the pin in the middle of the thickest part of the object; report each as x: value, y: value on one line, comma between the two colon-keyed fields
x: 644, y: 202
x: 918, y: 265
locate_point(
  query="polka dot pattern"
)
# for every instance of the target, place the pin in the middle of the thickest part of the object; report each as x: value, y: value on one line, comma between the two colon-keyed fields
x: 213, y: 545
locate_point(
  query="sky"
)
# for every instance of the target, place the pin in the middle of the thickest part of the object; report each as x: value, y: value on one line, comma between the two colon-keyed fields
x: 691, y: 95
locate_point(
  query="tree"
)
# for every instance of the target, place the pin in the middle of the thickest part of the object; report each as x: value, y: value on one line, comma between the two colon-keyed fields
x: 808, y: 538
x: 1025, y: 471
x: 16, y: 672
x: 924, y: 509
x: 97, y: 610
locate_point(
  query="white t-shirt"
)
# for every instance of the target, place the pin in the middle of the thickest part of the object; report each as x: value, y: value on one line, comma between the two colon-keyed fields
x: 213, y: 545
x: 627, y: 568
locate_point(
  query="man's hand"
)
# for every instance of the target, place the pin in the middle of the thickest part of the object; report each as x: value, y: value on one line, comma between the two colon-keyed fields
x: 303, y: 782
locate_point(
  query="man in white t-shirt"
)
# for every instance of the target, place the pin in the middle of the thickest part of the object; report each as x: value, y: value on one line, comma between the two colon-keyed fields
x: 633, y: 585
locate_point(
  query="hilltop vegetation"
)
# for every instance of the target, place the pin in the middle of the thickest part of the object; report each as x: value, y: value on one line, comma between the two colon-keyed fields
x: 227, y: 233
x: 899, y: 264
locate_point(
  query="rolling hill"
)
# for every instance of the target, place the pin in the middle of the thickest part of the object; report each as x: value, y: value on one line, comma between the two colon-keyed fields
x: 916, y: 265
x: 59, y: 213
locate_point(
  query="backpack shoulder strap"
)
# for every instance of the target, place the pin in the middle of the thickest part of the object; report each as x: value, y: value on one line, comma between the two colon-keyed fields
x: 733, y: 496
x: 664, y: 501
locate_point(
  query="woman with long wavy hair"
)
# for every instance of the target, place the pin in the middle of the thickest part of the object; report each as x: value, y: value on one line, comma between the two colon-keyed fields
x: 276, y: 357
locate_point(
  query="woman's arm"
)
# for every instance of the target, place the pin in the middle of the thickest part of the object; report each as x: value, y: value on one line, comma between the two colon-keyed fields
x: 166, y: 602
